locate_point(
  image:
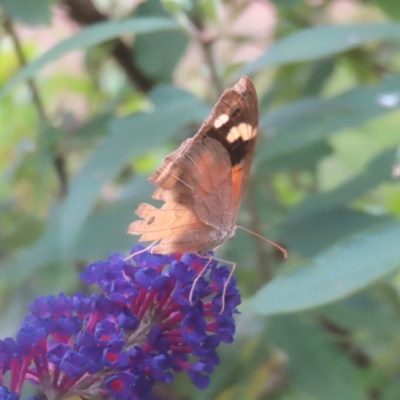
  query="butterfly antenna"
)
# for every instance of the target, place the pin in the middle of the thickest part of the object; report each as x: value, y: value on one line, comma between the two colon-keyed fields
x: 281, y: 249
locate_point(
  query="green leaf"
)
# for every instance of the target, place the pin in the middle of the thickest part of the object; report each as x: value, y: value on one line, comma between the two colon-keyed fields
x: 104, y: 231
x: 297, y: 395
x: 26, y: 231
x: 377, y: 171
x: 93, y: 128
x: 211, y: 10
x: 300, y: 124
x: 30, y: 259
x: 396, y: 165
x: 49, y: 139
x: 129, y: 138
x: 166, y: 94
x: 288, y: 4
x: 309, y: 235
x: 323, y: 41
x: 320, y: 72
x: 353, y: 317
x: 304, y: 158
x: 338, y: 272
x: 158, y: 53
x: 390, y: 7
x: 316, y: 366
x: 87, y: 37
x: 37, y: 12
x: 391, y: 391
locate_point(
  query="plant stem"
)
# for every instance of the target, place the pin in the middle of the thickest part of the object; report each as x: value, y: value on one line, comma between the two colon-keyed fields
x: 8, y: 24
x: 195, y: 29
x: 210, y: 58
x: 255, y: 226
x: 86, y: 13
x: 58, y: 159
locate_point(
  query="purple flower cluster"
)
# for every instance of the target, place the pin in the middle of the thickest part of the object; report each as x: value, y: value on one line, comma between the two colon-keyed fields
x: 117, y: 344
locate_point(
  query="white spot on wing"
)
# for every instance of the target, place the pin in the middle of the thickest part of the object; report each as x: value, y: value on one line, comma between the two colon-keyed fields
x: 221, y: 120
x: 244, y: 131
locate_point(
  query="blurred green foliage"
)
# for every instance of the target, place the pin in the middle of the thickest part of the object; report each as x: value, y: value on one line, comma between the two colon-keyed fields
x: 77, y: 143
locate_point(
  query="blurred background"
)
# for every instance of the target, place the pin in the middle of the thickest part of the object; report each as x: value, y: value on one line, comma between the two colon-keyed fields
x: 94, y: 93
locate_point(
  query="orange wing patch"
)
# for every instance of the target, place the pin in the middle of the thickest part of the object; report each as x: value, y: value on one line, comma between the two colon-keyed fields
x: 237, y: 177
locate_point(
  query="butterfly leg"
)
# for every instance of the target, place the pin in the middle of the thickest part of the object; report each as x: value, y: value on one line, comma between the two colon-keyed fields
x: 227, y: 283
x: 140, y: 251
x: 199, y: 275
x: 225, y: 287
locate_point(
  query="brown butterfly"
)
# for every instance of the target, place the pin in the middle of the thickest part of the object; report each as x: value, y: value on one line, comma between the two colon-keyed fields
x: 203, y: 182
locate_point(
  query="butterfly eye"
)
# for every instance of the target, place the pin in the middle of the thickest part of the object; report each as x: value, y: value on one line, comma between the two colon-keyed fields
x: 235, y: 110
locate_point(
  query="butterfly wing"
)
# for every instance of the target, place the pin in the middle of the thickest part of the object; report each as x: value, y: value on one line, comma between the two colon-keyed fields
x: 203, y: 182
x: 234, y: 124
x: 193, y: 182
